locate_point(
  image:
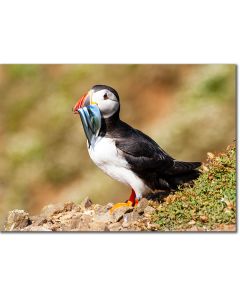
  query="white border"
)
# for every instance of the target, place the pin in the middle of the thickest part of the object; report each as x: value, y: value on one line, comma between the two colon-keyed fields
x: 114, y: 266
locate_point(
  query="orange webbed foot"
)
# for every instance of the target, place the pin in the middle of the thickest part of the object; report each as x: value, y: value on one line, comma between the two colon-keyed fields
x: 121, y: 204
x: 131, y: 202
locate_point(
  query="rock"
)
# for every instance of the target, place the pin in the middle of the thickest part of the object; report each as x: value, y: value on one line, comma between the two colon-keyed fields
x: 98, y: 226
x: 86, y: 218
x: 39, y: 221
x: 149, y: 210
x: 193, y: 228
x: 51, y: 209
x: 69, y: 206
x: 65, y: 217
x: 114, y: 226
x: 105, y: 217
x: 153, y: 227
x: 100, y: 209
x: 192, y: 222
x: 132, y: 228
x: 56, y: 227
x: 118, y: 213
x: 35, y: 228
x: 142, y: 204
x: 109, y: 206
x: 125, y: 224
x: 17, y: 219
x: 84, y: 221
x: 204, y: 218
x: 54, y: 209
x: 83, y: 217
x: 76, y: 222
x: 131, y: 217
x: 86, y: 203
x: 72, y: 223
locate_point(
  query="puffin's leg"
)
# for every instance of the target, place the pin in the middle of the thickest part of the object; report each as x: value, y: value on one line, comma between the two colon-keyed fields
x: 132, y: 201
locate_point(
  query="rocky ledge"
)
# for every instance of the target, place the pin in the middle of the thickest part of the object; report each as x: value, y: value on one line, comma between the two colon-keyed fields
x: 85, y: 217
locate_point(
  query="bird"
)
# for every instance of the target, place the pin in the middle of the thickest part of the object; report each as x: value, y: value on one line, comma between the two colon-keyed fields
x: 126, y: 154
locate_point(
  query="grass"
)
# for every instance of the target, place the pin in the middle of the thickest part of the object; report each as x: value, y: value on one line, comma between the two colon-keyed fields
x: 209, y: 203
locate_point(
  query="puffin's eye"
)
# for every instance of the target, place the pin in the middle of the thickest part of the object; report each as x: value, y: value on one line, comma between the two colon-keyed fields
x: 105, y: 97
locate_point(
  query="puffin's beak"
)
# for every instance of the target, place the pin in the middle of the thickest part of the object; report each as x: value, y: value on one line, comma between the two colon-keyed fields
x: 83, y: 101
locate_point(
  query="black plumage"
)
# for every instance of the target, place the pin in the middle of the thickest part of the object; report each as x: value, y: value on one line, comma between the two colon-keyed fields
x: 146, y: 158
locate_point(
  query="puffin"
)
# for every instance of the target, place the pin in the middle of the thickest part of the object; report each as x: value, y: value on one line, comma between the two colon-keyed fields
x: 126, y: 154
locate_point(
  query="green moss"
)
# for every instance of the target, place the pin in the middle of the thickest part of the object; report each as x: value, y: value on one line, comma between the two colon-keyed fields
x: 209, y: 203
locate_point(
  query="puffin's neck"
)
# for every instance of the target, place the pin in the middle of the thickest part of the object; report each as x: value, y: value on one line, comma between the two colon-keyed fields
x: 109, y: 124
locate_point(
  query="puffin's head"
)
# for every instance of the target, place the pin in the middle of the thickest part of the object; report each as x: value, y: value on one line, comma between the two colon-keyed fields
x: 105, y: 97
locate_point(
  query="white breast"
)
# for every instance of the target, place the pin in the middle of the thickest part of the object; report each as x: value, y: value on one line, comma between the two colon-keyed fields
x: 107, y: 157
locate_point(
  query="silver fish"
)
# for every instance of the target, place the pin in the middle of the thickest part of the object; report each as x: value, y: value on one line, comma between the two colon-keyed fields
x: 91, y: 121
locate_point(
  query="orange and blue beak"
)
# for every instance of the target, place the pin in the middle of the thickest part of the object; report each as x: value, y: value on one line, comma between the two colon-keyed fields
x: 84, y: 101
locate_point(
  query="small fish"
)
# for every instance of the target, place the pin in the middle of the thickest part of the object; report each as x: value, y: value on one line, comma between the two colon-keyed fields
x: 91, y: 121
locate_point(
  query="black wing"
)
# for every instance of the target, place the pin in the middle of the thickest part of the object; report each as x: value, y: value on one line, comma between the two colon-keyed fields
x: 150, y: 162
x: 141, y: 152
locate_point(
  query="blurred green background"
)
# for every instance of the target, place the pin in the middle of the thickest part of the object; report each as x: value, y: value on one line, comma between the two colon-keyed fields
x: 188, y: 109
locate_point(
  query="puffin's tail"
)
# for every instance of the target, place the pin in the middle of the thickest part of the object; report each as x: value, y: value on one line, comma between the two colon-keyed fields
x: 182, y: 172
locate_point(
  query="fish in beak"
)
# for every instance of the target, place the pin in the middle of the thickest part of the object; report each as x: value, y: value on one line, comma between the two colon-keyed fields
x: 90, y: 116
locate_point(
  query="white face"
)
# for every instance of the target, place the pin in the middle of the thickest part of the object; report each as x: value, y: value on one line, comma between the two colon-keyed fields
x: 106, y: 101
